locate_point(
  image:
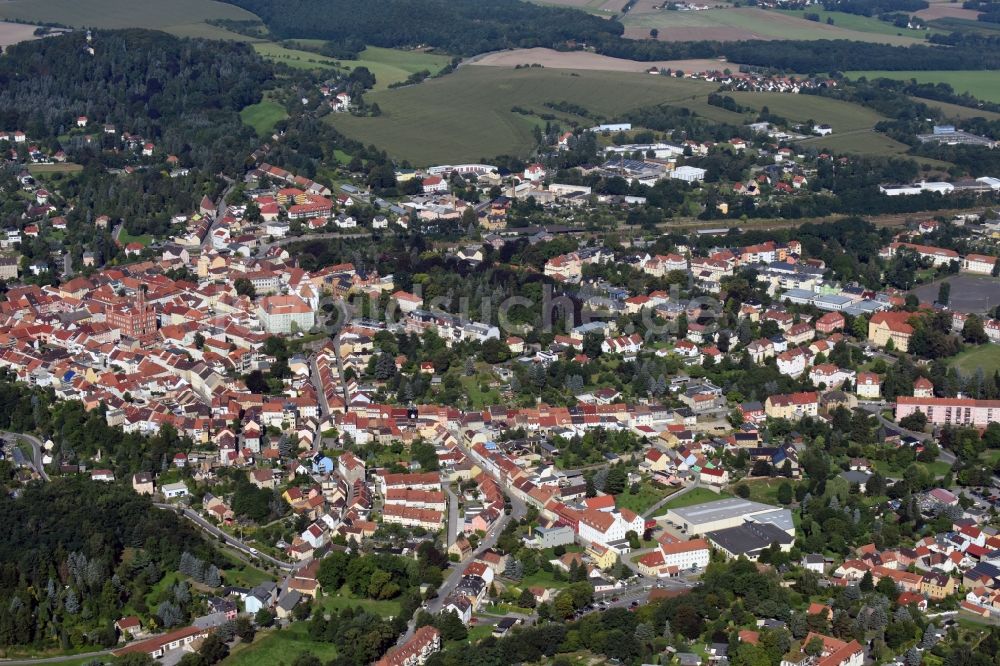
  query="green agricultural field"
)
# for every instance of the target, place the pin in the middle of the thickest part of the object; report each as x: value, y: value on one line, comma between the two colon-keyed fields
x: 956, y: 111
x: 986, y: 357
x: 263, y: 116
x: 867, y: 142
x: 859, y: 23
x: 954, y: 24
x: 466, y: 115
x: 388, y: 65
x: 185, y: 18
x: 395, y: 65
x: 983, y: 84
x: 294, y: 57
x: 279, y: 647
x: 733, y: 23
x: 842, y: 116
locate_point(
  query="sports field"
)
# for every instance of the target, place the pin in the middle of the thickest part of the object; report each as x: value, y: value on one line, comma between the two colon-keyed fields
x: 973, y: 294
x: 986, y: 357
x: 467, y: 115
x: 185, y: 18
x: 736, y: 23
x: 58, y: 167
x: 263, y: 115
x: 983, y: 84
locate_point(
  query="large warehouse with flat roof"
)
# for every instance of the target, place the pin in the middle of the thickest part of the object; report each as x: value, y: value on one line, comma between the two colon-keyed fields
x: 720, y: 515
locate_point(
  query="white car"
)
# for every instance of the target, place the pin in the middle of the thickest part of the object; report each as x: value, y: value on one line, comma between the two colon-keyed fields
x: 253, y: 551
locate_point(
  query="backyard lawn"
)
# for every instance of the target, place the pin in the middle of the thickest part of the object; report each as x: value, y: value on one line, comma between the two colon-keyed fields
x: 648, y: 495
x: 242, y: 574
x: 280, y: 647
x: 885, y: 468
x: 344, y: 599
x: 986, y: 357
x: 765, y: 490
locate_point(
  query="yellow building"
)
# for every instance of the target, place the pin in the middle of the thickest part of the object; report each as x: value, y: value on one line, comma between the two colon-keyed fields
x: 792, y: 406
x: 603, y: 557
x: 894, y: 326
x: 938, y: 586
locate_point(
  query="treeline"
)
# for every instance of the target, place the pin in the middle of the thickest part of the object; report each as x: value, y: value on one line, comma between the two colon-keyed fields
x: 461, y: 27
x: 467, y: 27
x: 874, y: 7
x: 74, y: 553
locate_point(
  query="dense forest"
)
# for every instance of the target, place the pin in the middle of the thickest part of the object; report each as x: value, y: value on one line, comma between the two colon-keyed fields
x: 182, y: 94
x: 462, y: 27
x: 74, y: 553
x: 467, y: 27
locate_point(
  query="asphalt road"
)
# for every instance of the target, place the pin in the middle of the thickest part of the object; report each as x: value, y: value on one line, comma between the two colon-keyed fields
x: 452, y: 515
x: 36, y: 449
x: 232, y: 541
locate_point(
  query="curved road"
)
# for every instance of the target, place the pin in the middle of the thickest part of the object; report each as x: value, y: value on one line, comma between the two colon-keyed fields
x: 36, y: 448
x: 232, y: 541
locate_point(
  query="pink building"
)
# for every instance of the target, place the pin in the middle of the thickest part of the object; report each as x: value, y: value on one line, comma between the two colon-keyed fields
x: 950, y: 411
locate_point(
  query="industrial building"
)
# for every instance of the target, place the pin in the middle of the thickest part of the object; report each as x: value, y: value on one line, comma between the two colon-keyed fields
x: 723, y: 514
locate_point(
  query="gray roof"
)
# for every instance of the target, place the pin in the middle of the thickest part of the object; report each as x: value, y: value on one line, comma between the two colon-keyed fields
x: 289, y: 599
x: 748, y: 538
x: 856, y: 476
x: 780, y: 518
x: 720, y: 510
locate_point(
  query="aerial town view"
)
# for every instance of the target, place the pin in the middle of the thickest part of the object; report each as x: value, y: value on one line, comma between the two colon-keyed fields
x: 523, y: 332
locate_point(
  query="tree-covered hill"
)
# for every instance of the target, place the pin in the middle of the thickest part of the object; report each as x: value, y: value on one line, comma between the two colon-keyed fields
x: 184, y: 95
x: 75, y: 553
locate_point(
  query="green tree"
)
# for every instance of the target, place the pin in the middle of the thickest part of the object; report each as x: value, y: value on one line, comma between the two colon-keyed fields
x: 944, y: 293
x: 785, y: 494
x: 244, y: 287
x: 814, y: 647
x: 451, y: 627
x: 213, y: 649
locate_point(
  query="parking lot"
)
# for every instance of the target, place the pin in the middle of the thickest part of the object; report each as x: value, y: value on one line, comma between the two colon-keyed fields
x: 975, y: 294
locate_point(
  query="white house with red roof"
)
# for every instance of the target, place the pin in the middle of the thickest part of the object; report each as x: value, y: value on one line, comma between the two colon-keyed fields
x: 869, y: 385
x: 434, y: 185
x: 606, y: 527
x: 534, y: 172
x: 672, y: 557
